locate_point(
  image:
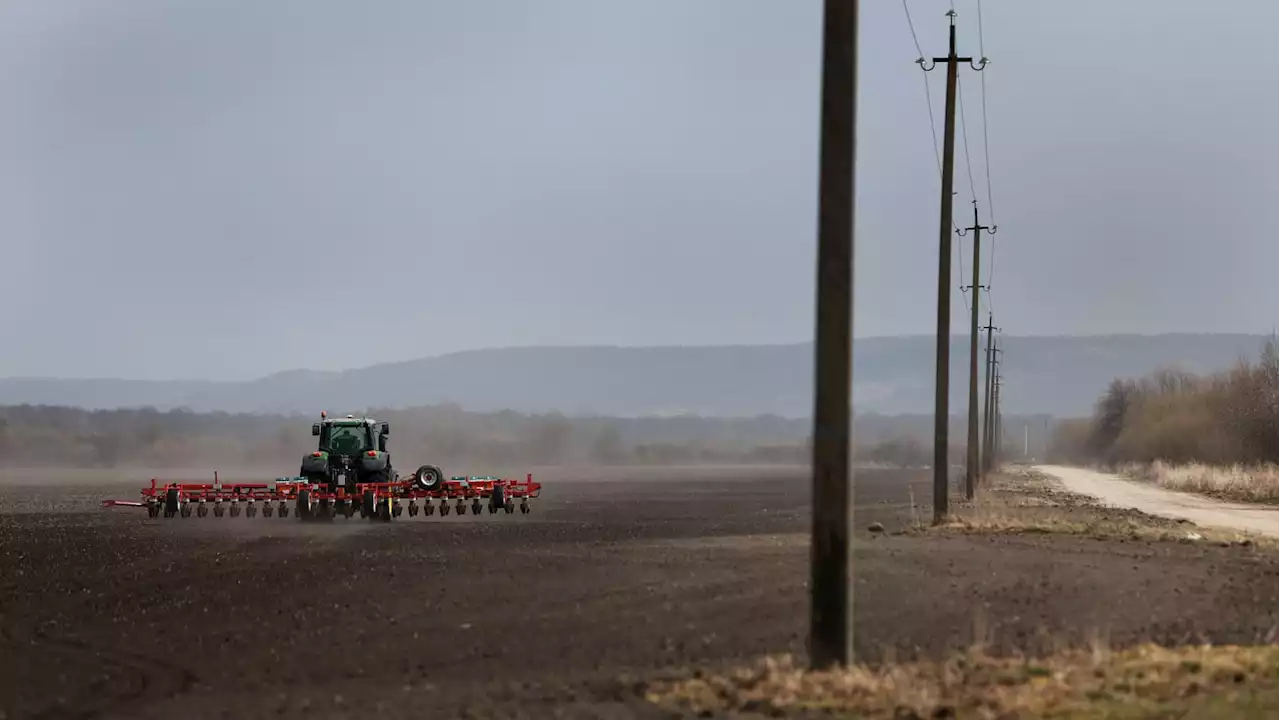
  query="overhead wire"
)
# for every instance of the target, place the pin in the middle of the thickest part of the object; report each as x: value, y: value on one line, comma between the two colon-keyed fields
x: 986, y: 148
x: 928, y: 96
x: 964, y: 134
x: 968, y: 163
x: 968, y: 156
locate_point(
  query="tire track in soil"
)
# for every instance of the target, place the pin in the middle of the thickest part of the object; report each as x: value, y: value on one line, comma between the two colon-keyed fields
x: 140, y: 678
x: 123, y: 681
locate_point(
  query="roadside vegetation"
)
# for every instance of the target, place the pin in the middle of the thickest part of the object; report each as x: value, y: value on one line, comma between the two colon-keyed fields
x: 1217, y: 435
x: 1022, y: 501
x: 1141, y: 682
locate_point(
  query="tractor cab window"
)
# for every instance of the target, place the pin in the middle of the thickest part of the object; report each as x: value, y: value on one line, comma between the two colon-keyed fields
x: 348, y: 439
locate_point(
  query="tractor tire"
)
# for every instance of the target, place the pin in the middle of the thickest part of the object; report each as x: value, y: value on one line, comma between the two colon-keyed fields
x: 303, y: 505
x: 429, y: 478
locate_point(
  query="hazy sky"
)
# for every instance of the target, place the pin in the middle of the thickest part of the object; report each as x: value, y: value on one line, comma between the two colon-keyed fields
x: 224, y: 189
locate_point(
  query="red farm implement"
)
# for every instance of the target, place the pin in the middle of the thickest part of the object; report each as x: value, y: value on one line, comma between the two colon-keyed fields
x: 309, y: 500
x: 349, y: 472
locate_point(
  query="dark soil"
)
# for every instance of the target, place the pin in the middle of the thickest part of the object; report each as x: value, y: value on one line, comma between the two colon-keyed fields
x: 106, y: 613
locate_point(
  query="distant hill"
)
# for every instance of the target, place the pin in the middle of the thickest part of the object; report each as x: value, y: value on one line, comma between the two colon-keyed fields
x: 1055, y: 375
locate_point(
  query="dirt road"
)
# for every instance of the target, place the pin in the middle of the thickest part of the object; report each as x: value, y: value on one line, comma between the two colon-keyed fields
x: 109, y: 614
x: 1114, y: 490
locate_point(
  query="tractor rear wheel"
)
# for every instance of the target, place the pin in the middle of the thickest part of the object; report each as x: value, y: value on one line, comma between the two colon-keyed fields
x: 304, y: 504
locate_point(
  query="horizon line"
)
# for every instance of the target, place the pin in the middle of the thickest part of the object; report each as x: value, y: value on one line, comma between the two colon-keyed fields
x: 508, y: 348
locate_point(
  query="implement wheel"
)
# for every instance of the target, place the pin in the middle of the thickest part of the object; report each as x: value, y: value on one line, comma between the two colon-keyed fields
x: 369, y: 505
x: 428, y: 477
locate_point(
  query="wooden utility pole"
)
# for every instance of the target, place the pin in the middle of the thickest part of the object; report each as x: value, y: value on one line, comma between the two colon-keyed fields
x: 986, y: 399
x: 831, y: 554
x: 971, y: 447
x: 991, y: 417
x: 942, y: 360
x: 997, y: 445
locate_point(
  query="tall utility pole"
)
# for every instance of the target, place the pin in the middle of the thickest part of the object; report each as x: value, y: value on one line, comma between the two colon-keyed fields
x: 971, y: 452
x: 831, y: 554
x: 941, y: 411
x: 997, y: 425
x: 986, y: 399
x: 989, y: 451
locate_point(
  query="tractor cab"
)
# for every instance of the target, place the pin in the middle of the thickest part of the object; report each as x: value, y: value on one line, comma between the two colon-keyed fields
x: 350, y: 436
x: 350, y: 451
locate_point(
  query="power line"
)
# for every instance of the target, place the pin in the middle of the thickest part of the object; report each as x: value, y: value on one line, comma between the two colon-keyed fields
x: 986, y: 146
x: 964, y: 133
x: 911, y: 26
x: 928, y: 94
x: 986, y: 152
x: 991, y: 270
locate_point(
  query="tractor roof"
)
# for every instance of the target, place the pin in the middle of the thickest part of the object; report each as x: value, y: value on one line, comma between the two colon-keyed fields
x: 350, y: 421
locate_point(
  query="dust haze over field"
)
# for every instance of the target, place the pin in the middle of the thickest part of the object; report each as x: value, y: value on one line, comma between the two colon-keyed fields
x: 576, y: 239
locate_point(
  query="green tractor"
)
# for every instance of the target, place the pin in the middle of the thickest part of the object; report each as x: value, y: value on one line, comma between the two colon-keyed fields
x: 351, y: 450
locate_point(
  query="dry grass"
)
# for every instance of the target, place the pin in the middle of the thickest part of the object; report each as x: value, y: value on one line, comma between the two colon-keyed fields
x: 1239, y: 483
x: 1142, y: 682
x: 1019, y: 500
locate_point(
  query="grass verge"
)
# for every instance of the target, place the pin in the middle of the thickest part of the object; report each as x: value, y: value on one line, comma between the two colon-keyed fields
x: 1142, y: 682
x: 1258, y: 484
x: 1019, y: 500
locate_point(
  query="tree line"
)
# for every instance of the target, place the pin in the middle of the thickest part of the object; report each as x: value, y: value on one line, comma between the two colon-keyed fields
x: 1178, y: 417
x: 49, y: 436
